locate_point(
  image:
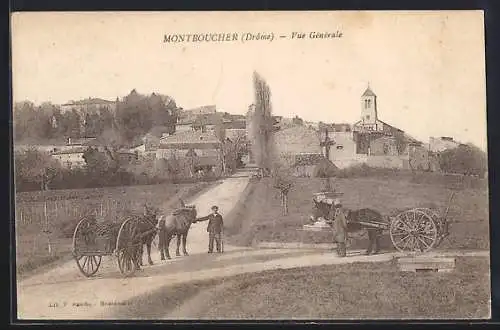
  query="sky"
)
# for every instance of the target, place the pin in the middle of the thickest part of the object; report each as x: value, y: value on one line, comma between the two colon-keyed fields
x: 427, y: 68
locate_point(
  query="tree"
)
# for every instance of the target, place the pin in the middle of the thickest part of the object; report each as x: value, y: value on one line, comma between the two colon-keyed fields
x: 282, y: 180
x: 220, y: 133
x: 465, y: 159
x: 134, y: 116
x: 164, y: 112
x: 34, y: 167
x: 262, y: 124
x: 297, y: 121
x: 112, y: 138
x: 174, y: 167
x: 233, y: 151
x: 30, y: 122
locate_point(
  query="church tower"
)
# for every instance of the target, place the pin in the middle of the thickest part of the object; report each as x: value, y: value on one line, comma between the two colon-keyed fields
x: 369, y: 107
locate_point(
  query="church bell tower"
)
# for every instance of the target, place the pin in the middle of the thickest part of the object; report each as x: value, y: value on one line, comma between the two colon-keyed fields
x: 369, y: 107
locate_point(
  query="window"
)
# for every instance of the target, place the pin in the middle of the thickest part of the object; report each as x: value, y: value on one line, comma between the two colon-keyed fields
x: 369, y: 103
x: 340, y: 147
x: 386, y: 149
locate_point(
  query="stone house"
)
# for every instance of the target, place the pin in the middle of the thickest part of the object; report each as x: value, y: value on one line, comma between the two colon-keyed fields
x: 200, y: 150
x: 70, y: 158
x: 299, y: 147
x: 88, y: 104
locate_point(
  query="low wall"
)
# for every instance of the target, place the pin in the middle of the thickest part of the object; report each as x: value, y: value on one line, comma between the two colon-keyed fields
x: 399, y: 162
x: 347, y: 162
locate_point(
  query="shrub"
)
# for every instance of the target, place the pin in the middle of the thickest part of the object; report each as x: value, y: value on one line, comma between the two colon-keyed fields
x: 464, y: 159
x: 325, y: 169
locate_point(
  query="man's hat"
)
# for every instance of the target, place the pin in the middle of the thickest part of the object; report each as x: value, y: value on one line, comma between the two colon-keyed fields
x: 215, y: 207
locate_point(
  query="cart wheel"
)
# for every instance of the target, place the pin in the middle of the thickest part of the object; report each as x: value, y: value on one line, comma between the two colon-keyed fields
x: 127, y: 246
x: 440, y: 224
x: 84, y: 242
x: 413, y: 231
x: 88, y: 265
x: 126, y: 263
x: 83, y: 236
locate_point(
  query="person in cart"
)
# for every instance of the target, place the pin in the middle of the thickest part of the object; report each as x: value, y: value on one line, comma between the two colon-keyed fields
x: 215, y: 228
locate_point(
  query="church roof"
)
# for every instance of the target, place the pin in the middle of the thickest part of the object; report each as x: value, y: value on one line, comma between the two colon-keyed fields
x: 368, y: 92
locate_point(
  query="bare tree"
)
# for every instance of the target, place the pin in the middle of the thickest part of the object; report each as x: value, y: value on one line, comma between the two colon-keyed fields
x: 282, y: 177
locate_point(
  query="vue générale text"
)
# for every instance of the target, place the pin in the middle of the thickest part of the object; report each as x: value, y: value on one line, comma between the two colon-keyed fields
x: 247, y: 36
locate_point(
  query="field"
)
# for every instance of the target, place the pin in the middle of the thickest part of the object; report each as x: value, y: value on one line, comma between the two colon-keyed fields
x: 351, y: 291
x: 42, y: 225
x: 259, y: 216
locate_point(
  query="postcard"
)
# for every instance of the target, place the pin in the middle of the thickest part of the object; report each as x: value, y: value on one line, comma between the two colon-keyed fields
x: 250, y: 165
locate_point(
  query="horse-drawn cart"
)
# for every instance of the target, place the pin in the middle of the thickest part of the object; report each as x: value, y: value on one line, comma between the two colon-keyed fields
x: 413, y: 230
x: 93, y: 240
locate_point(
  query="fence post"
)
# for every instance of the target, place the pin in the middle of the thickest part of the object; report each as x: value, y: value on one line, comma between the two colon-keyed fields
x: 47, y: 229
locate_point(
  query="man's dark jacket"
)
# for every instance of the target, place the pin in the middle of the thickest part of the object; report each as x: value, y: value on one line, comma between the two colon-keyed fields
x: 215, y: 223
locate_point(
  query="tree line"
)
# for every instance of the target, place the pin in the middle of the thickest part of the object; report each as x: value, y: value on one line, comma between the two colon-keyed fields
x: 133, y: 116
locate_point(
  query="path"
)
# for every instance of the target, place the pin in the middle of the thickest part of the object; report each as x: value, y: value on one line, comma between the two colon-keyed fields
x: 52, y: 295
x: 64, y: 284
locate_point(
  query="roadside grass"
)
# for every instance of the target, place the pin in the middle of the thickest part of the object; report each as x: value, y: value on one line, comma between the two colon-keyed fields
x: 261, y: 218
x: 349, y: 291
x: 32, y: 243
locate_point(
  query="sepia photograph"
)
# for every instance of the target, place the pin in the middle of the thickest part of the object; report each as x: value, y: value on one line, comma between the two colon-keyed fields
x: 327, y: 165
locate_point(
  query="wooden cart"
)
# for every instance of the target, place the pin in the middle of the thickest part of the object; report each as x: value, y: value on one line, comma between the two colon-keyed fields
x: 413, y: 230
x: 92, y: 241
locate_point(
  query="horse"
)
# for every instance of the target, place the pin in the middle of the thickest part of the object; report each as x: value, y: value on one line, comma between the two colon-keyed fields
x: 146, y: 224
x: 175, y: 224
x: 354, y: 217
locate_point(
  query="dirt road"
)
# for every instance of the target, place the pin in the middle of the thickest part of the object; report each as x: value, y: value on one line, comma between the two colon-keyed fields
x: 52, y: 294
x: 63, y: 293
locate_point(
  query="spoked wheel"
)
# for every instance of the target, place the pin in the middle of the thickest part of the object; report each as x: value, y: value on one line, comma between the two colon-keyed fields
x: 88, y: 265
x: 441, y: 224
x: 413, y: 231
x: 127, y: 246
x: 126, y: 263
x: 83, y: 243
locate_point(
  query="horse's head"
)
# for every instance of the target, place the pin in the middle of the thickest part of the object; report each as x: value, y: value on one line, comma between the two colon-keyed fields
x: 192, y: 213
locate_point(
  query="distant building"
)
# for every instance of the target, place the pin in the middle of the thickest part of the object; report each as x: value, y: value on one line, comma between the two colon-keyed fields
x: 70, y: 158
x: 442, y: 143
x: 305, y: 164
x: 371, y: 141
x: 144, y: 151
x: 85, y: 141
x: 88, y: 104
x: 203, y: 148
x: 297, y: 140
x: 299, y: 147
x: 202, y: 110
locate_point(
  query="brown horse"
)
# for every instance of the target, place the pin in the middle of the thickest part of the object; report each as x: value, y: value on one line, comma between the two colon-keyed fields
x: 146, y: 225
x: 354, y: 218
x: 175, y: 224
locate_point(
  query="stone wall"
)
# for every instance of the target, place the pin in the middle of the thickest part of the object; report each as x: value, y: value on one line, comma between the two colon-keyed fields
x: 296, y: 140
x: 398, y: 162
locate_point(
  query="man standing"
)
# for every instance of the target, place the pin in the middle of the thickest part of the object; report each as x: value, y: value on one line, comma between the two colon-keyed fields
x: 214, y: 229
x: 340, y: 226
